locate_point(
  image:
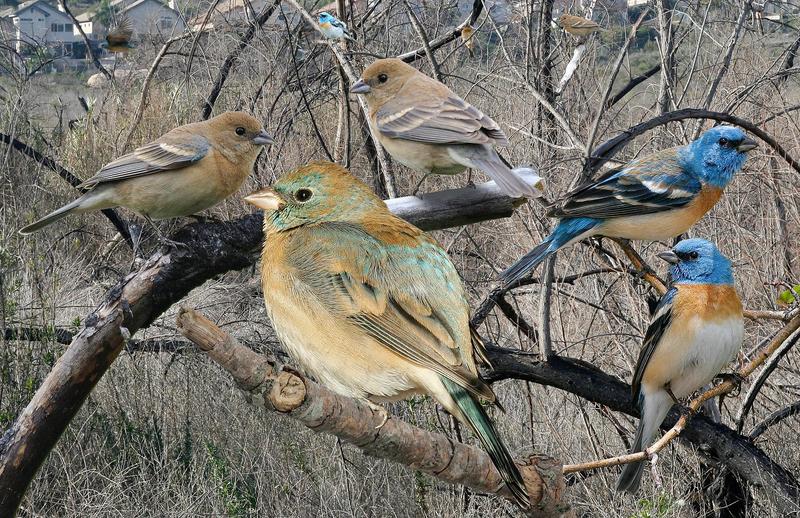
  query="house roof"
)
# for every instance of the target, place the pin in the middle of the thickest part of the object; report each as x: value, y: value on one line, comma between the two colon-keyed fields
x: 91, y: 13
x: 13, y: 11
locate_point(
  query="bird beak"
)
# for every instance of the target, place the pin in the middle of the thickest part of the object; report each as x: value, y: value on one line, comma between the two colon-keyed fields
x: 266, y: 199
x: 263, y: 138
x: 359, y: 87
x: 746, y: 145
x: 669, y: 256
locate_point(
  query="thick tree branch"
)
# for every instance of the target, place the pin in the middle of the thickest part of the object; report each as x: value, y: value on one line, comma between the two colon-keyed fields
x: 356, y: 423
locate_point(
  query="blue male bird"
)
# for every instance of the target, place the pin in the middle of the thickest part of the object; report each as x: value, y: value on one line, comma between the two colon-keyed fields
x: 333, y: 28
x: 656, y: 197
x: 695, y: 331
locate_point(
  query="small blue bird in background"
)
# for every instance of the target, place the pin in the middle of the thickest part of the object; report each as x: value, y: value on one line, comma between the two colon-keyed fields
x: 656, y: 197
x: 695, y: 331
x: 333, y: 28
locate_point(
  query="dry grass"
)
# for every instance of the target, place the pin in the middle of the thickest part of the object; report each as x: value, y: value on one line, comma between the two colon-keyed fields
x: 169, y: 435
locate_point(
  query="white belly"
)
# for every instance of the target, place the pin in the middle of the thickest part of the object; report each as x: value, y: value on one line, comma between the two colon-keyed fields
x: 688, y: 359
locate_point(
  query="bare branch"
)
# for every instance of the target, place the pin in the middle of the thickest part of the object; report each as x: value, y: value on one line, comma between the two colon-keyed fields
x: 355, y: 422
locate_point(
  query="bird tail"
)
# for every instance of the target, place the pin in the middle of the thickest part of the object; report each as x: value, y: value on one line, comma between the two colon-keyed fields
x: 656, y: 407
x: 518, y: 182
x: 52, y: 217
x: 566, y: 231
x: 473, y: 415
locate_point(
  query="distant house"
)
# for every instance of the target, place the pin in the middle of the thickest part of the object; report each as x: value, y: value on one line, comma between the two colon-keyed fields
x: 37, y: 23
x: 147, y: 17
x: 237, y: 13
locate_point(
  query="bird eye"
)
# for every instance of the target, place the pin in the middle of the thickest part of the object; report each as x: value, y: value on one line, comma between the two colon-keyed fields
x: 303, y: 195
x: 383, y: 78
x: 693, y: 255
x: 240, y: 131
x: 723, y: 142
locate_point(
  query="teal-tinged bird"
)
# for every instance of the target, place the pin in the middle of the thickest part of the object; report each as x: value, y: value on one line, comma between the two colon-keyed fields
x: 370, y: 305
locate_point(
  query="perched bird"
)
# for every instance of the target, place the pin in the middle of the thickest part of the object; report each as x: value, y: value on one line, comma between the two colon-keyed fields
x: 425, y: 126
x: 467, y: 36
x: 655, y: 197
x: 119, y: 37
x: 695, y: 332
x: 370, y: 305
x: 333, y: 28
x: 577, y: 26
x: 188, y: 169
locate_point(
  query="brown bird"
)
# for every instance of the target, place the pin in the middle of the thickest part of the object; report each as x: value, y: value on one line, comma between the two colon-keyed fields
x: 188, y: 169
x: 119, y: 37
x: 467, y: 36
x: 370, y: 305
x: 425, y: 126
x: 577, y: 26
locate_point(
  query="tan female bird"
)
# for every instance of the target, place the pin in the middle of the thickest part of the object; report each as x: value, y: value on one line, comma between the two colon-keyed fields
x: 189, y: 169
x: 370, y: 305
x: 427, y: 127
x: 577, y: 26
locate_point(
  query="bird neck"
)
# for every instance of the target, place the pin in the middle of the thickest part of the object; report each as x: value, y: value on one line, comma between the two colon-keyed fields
x: 709, y: 165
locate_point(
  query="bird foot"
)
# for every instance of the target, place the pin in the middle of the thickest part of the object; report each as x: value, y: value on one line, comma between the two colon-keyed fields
x: 733, y: 377
x: 381, y: 412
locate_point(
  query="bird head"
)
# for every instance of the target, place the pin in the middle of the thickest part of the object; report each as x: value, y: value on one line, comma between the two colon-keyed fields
x: 383, y: 79
x: 320, y: 192
x: 698, y: 261
x: 324, y: 17
x: 239, y: 134
x: 719, y: 153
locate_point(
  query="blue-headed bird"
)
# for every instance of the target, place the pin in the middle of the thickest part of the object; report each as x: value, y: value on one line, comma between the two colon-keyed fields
x: 656, y: 197
x: 333, y: 28
x: 370, y: 305
x: 696, y: 330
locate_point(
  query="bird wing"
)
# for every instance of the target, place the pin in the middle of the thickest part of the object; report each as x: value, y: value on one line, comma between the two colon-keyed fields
x: 162, y: 155
x: 436, y: 119
x: 659, y: 323
x: 578, y: 22
x: 121, y: 33
x: 651, y: 184
x: 407, y: 295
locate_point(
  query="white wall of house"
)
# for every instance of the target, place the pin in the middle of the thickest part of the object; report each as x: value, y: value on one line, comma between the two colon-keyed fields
x: 42, y: 24
x: 153, y: 17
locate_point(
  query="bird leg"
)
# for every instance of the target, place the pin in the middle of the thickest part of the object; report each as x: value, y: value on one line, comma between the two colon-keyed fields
x: 164, y: 239
x: 419, y: 184
x: 380, y: 411
x: 684, y: 411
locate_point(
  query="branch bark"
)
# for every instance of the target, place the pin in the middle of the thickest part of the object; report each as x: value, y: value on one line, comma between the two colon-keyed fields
x: 353, y: 421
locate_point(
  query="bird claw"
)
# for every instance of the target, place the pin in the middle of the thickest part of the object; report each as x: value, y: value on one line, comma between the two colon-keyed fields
x: 733, y: 377
x: 381, y: 412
